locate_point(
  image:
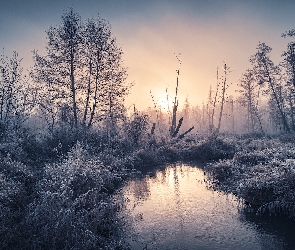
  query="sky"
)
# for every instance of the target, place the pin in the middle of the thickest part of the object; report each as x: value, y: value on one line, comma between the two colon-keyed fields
x: 206, y: 33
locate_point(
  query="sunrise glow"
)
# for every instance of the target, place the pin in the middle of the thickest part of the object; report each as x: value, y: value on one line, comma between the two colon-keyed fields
x: 159, y: 124
x: 151, y: 33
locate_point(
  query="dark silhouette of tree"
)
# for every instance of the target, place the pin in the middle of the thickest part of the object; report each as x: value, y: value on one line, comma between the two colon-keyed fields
x: 267, y: 73
x: 106, y: 75
x: 175, y: 103
x: 289, y: 68
x: 223, y: 90
x: 81, y: 74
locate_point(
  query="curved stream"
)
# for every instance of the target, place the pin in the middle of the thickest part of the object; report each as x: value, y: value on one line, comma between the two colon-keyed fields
x: 173, y: 209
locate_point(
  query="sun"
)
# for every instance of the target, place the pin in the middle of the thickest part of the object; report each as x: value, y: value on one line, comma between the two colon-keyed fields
x: 166, y: 103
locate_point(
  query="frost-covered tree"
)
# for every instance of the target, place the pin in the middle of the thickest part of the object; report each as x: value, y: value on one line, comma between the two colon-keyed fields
x: 270, y: 75
x: 81, y: 74
x: 106, y: 88
x: 17, y: 95
x: 249, y: 94
x: 59, y: 71
x: 288, y: 65
x: 289, y: 57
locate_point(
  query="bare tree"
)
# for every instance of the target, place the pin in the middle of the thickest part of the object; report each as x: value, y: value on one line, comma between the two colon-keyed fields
x: 81, y: 72
x: 288, y: 65
x: 267, y: 72
x: 175, y: 103
x: 106, y: 88
x: 223, y: 89
x: 212, y: 104
x: 289, y: 57
x: 59, y: 69
x: 249, y: 94
x: 17, y: 95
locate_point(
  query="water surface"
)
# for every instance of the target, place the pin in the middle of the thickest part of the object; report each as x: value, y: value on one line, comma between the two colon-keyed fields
x: 173, y: 209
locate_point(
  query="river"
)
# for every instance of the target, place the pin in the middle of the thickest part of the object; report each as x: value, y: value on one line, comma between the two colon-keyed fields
x: 173, y: 208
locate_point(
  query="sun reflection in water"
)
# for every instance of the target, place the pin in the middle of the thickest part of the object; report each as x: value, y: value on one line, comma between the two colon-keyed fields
x: 174, y: 209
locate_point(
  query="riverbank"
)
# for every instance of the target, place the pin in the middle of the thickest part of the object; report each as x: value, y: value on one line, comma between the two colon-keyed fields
x: 262, y: 172
x: 69, y: 206
x: 259, y: 169
x: 192, y: 148
x: 68, y: 203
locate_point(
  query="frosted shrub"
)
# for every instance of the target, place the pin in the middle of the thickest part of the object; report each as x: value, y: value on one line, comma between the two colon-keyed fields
x: 16, y: 187
x: 262, y: 172
x: 11, y: 145
x: 9, y: 189
x: 252, y: 158
x: 222, y: 171
x: 149, y: 157
x: 272, y: 194
x: 136, y: 127
x: 74, y: 209
x: 216, y: 149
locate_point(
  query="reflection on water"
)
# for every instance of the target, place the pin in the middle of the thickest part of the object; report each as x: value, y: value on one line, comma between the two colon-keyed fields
x: 173, y: 209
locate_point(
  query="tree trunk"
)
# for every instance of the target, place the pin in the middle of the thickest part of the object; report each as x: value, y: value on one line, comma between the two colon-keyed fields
x: 292, y: 111
x: 95, y: 96
x: 186, y: 132
x: 178, y: 127
x: 88, y: 93
x: 73, y: 88
x: 222, y: 100
x: 214, y: 104
x: 293, y: 63
x: 283, y: 116
x: 175, y: 105
x: 153, y: 128
x: 250, y: 107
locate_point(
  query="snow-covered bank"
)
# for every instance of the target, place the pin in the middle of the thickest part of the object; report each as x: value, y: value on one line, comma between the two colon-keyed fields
x: 262, y: 172
x: 68, y: 203
x: 69, y: 206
